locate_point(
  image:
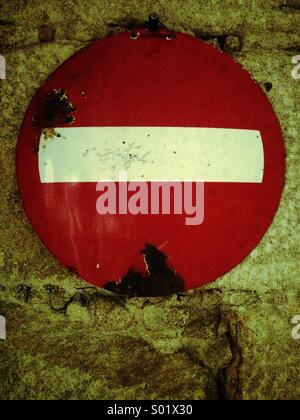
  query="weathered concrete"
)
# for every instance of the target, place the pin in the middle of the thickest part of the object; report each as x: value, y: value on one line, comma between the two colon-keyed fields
x: 229, y: 340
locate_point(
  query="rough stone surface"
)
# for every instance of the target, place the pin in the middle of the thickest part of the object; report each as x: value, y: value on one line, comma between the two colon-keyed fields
x: 230, y: 340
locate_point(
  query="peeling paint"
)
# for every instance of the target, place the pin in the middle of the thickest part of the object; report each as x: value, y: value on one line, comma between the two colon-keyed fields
x: 56, y: 109
x: 160, y: 281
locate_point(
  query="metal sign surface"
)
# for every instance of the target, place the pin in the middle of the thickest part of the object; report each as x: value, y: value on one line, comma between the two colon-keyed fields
x: 159, y: 150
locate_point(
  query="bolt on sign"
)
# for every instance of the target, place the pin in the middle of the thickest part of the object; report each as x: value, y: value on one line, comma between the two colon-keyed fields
x: 150, y: 163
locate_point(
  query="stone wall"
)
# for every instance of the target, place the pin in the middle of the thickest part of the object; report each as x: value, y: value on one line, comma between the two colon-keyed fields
x: 230, y: 340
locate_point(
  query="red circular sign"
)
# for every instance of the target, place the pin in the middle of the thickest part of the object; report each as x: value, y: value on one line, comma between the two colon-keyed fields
x: 173, y: 88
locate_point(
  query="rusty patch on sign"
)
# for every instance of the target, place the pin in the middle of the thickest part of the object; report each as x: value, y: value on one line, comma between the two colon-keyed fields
x: 160, y: 281
x: 50, y: 133
x: 55, y: 110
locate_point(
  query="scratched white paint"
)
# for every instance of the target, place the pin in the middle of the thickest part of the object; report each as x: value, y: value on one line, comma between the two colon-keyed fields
x: 92, y: 154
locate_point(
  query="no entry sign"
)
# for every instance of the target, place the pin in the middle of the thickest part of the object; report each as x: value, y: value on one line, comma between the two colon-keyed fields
x: 150, y: 164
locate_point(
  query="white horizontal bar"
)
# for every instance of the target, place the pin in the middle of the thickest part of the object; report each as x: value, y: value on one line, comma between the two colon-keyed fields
x: 93, y: 154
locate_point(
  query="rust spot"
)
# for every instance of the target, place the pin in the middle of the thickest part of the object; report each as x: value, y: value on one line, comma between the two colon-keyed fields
x: 160, y: 281
x: 50, y: 133
x: 55, y: 110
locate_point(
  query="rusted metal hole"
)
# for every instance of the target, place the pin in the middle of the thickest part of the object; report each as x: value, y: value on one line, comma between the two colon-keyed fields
x: 160, y: 281
x: 268, y: 86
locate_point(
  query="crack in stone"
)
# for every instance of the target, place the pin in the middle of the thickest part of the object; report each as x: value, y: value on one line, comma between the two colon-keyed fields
x: 228, y: 379
x: 85, y: 299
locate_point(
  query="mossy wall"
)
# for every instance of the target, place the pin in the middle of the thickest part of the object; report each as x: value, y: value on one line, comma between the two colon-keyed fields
x: 229, y: 340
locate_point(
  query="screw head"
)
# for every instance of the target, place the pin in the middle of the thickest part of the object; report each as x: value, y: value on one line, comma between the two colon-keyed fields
x: 154, y: 16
